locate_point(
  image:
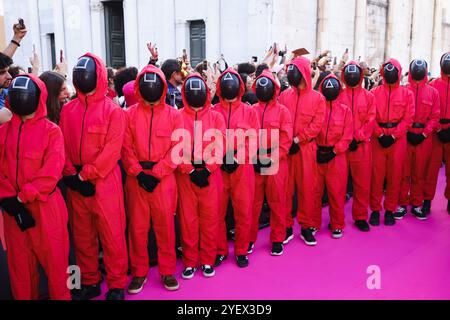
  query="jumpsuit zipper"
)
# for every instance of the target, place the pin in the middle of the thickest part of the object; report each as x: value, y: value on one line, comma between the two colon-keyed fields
x: 150, y: 136
x: 17, y: 154
x: 328, y: 125
x: 82, y: 131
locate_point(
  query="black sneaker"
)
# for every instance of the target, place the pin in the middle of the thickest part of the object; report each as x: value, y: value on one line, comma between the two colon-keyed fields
x: 251, y: 245
x: 242, y: 261
x: 426, y: 207
x: 375, y: 219
x: 417, y: 212
x: 87, y: 292
x: 115, y: 294
x: 400, y: 213
x: 362, y: 225
x: 308, y: 237
x: 389, y: 218
x: 277, y: 249
x: 448, y: 207
x: 208, y: 271
x: 337, y: 234
x: 289, y: 235
x: 313, y: 230
x: 188, y: 273
x: 219, y: 259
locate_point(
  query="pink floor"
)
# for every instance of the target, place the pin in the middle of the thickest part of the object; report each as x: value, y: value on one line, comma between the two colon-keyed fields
x: 414, y: 258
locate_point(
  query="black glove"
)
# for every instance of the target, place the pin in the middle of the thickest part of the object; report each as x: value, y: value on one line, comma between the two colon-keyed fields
x: 229, y: 168
x: 325, y: 157
x: 258, y: 166
x: 148, y: 182
x: 200, y: 177
x: 444, y: 135
x: 415, y: 139
x: 386, y: 141
x: 15, y: 209
x: 295, y: 148
x: 353, y: 146
x: 85, y: 188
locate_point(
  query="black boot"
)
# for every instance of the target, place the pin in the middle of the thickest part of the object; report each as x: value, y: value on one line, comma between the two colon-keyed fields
x: 115, y: 294
x: 389, y: 218
x: 86, y: 292
x: 362, y: 225
x: 426, y: 207
x: 375, y: 219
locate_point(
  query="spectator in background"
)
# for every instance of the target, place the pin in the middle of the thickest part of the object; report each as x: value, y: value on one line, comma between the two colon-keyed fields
x: 122, y: 77
x: 111, y: 93
x: 14, y: 71
x: 249, y: 69
x: 172, y: 71
x: 368, y: 81
x: 128, y: 93
x: 260, y: 68
x: 58, y: 94
x: 249, y: 96
x: 5, y: 79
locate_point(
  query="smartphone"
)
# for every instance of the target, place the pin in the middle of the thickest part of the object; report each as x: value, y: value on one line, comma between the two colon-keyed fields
x: 61, y: 56
x: 30, y: 69
x: 21, y: 23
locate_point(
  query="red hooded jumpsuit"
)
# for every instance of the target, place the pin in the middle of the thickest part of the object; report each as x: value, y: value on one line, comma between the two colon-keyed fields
x: 31, y: 163
x: 336, y: 132
x: 439, y: 150
x: 395, y: 108
x: 148, y: 140
x: 361, y: 103
x: 240, y: 184
x: 426, y: 120
x: 307, y: 109
x: 199, y: 207
x: 272, y: 184
x: 93, y: 128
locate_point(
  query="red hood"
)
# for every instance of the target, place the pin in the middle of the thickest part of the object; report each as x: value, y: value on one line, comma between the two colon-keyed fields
x: 356, y: 63
x: 102, y: 80
x: 208, y: 96
x: 304, y: 66
x: 41, y: 111
x: 399, y: 68
x: 421, y: 83
x: 150, y: 69
x: 268, y: 74
x: 331, y: 75
x: 242, y: 85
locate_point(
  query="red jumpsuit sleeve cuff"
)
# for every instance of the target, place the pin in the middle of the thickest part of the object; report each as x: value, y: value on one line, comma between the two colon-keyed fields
x: 29, y: 193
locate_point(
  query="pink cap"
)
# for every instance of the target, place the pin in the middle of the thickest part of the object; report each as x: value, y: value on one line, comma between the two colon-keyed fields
x: 128, y: 92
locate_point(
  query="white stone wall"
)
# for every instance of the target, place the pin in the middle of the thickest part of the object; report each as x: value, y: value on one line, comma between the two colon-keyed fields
x: 240, y: 29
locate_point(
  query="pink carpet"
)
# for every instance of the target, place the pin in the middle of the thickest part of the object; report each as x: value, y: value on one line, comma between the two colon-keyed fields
x: 414, y: 258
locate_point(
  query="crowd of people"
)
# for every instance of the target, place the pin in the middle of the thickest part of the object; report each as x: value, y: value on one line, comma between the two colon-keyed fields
x: 110, y: 149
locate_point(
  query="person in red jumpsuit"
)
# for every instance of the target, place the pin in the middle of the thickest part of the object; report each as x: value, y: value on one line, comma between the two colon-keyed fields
x: 35, y: 215
x: 93, y: 128
x: 307, y: 109
x: 395, y: 111
x: 237, y: 170
x: 151, y: 189
x: 361, y: 103
x: 199, y: 178
x: 271, y: 167
x: 420, y: 143
x: 440, y: 146
x: 333, y: 142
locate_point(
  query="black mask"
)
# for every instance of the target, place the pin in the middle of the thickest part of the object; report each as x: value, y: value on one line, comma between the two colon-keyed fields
x: 418, y: 69
x: 352, y: 75
x: 390, y: 74
x: 445, y: 64
x: 24, y: 96
x: 294, y: 76
x: 195, y: 92
x: 230, y: 86
x: 331, y: 88
x: 151, y: 87
x: 85, y: 75
x: 265, y: 89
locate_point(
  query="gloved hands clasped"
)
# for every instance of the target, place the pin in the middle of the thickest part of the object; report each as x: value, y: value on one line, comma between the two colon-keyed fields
x: 386, y: 141
x: 16, y: 209
x: 147, y: 182
x: 415, y: 139
x: 229, y: 167
x: 444, y: 135
x: 324, y: 157
x: 200, y: 177
x: 85, y: 188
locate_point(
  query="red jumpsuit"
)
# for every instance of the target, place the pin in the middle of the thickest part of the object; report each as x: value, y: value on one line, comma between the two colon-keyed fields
x: 199, y: 207
x: 307, y: 109
x: 240, y: 184
x: 439, y: 150
x: 276, y: 120
x: 31, y: 163
x: 148, y: 142
x: 361, y: 103
x: 426, y: 120
x: 395, y: 109
x: 93, y: 128
x: 337, y: 133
